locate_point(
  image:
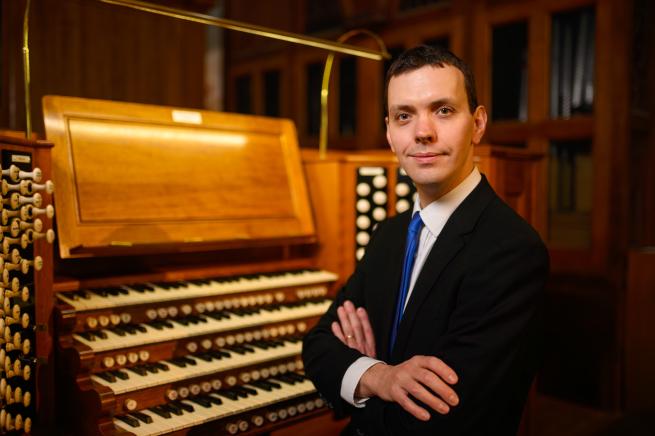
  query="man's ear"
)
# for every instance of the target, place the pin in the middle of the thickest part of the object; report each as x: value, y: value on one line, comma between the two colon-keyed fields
x: 386, y: 122
x: 479, y: 124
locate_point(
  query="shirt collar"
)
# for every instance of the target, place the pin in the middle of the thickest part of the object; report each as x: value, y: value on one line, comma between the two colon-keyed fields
x: 435, y: 214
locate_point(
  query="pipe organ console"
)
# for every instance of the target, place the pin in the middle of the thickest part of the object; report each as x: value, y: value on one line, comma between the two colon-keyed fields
x: 185, y: 279
x: 25, y: 345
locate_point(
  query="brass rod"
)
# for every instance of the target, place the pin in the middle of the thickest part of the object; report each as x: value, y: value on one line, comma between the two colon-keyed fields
x: 250, y: 28
x: 26, y: 72
x: 325, y: 84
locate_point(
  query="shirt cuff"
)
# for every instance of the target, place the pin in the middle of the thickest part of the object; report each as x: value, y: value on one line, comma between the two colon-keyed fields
x: 351, y: 379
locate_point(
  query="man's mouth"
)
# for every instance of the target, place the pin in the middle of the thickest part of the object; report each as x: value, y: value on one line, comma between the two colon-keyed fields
x: 427, y: 157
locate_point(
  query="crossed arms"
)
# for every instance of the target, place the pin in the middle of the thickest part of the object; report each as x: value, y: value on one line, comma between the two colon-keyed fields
x: 425, y: 378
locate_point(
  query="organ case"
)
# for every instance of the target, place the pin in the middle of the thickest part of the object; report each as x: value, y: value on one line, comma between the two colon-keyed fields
x: 184, y: 281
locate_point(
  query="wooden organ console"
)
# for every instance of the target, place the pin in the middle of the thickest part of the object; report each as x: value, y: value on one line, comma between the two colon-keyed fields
x: 26, y: 381
x: 184, y: 281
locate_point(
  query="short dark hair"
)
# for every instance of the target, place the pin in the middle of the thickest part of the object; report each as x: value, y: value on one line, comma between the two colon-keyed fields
x: 427, y: 55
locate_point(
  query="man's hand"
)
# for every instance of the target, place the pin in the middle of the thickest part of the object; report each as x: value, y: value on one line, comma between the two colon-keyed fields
x: 354, y: 329
x: 425, y: 378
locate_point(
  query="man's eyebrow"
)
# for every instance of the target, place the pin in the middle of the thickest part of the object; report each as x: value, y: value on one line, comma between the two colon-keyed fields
x: 442, y: 101
x: 402, y: 108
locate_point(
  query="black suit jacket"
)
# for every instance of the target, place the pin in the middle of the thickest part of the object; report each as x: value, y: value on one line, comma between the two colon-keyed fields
x: 474, y: 305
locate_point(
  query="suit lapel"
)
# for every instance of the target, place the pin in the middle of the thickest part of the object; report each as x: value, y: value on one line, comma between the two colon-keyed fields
x: 445, y: 248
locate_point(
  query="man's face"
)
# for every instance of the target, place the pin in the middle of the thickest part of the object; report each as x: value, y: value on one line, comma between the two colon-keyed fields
x: 431, y: 129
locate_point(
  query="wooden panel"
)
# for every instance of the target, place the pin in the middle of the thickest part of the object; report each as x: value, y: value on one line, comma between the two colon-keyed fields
x: 132, y: 174
x: 97, y: 50
x: 516, y: 177
x: 639, y: 344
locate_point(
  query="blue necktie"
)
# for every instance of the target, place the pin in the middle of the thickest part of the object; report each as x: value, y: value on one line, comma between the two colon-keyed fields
x: 408, y: 264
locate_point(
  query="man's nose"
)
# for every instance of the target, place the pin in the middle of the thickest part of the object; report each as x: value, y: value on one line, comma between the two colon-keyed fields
x: 426, y: 132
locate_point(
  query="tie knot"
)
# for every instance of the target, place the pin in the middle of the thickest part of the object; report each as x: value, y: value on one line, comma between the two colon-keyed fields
x: 415, y: 225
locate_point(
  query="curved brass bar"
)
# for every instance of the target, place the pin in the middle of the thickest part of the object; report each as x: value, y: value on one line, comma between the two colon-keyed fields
x: 248, y: 28
x: 325, y: 84
x: 26, y: 71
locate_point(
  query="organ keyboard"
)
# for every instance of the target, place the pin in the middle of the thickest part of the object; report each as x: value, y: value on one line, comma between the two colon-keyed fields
x: 186, y: 276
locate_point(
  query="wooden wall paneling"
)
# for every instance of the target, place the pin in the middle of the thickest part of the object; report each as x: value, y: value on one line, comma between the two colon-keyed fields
x: 639, y: 345
x: 90, y: 49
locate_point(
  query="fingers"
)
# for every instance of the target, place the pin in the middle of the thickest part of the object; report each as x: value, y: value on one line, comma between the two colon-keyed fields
x: 438, y: 366
x: 347, y: 329
x: 336, y: 330
x: 369, y: 338
x: 411, y: 407
x: 355, y: 329
x: 356, y: 326
x: 435, y: 374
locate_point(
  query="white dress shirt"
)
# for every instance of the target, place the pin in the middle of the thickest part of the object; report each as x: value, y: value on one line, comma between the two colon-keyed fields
x: 434, y: 216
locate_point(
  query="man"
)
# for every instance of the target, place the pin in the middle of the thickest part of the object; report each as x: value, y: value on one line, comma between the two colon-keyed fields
x: 447, y: 295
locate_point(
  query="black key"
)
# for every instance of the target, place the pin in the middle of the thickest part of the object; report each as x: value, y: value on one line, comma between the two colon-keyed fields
x: 118, y: 331
x: 201, y: 401
x: 156, y: 325
x: 239, y: 392
x: 150, y: 368
x: 187, y: 407
x: 262, y: 385
x: 215, y: 354
x: 142, y: 417
x: 140, y: 328
x: 100, y: 334
x: 161, y: 366
x: 246, y: 389
x: 214, y: 400
x: 172, y: 409
x: 283, y: 378
x: 274, y: 384
x: 129, y: 420
x: 295, y: 376
x: 129, y: 328
x: 161, y: 412
x: 121, y: 374
x: 228, y: 394
x: 107, y: 377
x: 205, y: 356
x: 188, y: 360
x: 138, y: 370
x: 177, y: 362
x: 89, y: 336
x: 100, y: 292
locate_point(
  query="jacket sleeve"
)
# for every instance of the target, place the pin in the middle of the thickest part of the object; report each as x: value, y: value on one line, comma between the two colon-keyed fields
x: 325, y: 358
x: 491, y: 342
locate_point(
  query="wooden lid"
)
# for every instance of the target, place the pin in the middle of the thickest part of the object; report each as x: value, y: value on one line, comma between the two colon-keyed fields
x: 137, y: 178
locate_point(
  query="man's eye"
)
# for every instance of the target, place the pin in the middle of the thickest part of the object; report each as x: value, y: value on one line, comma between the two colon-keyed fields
x: 444, y: 110
x: 402, y: 117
